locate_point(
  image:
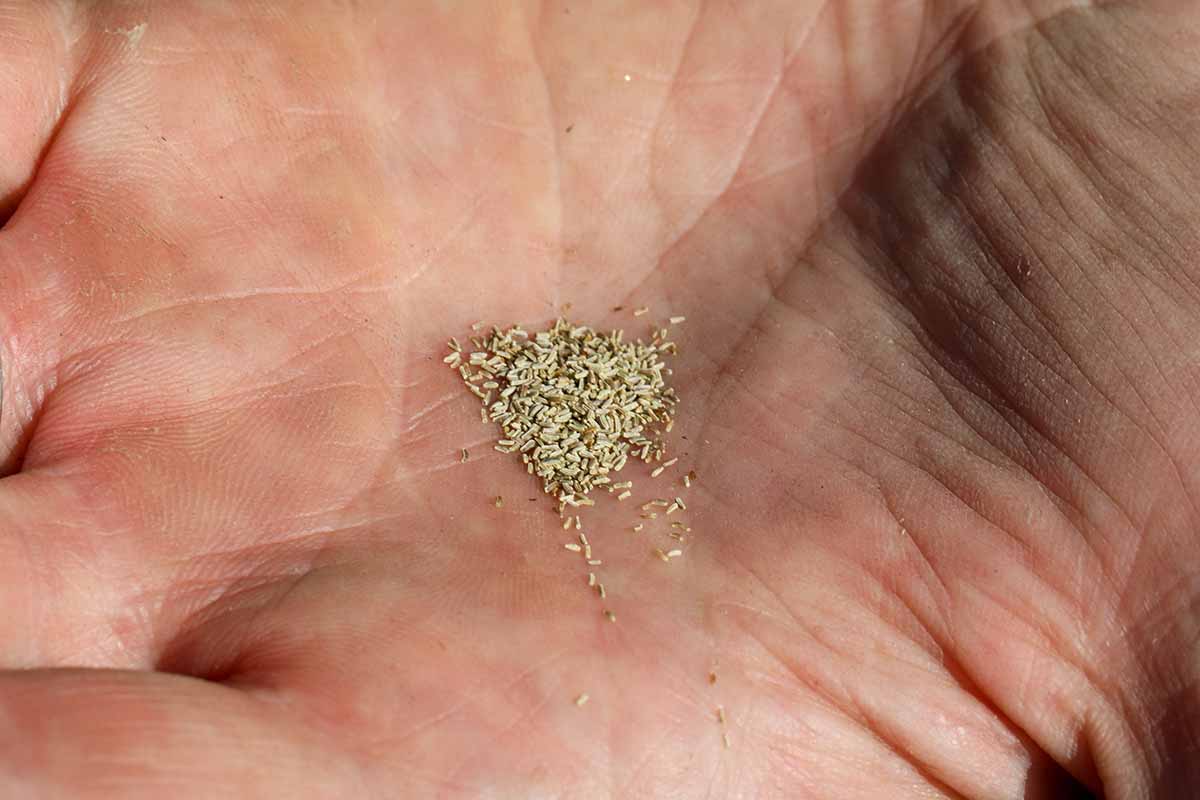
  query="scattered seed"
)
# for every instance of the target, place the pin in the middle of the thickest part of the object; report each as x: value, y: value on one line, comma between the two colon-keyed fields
x: 581, y: 700
x: 465, y: 455
x: 650, y: 515
x: 687, y: 482
x: 452, y: 360
x: 499, y: 501
x: 625, y: 494
x: 579, y: 527
x: 476, y: 325
x: 725, y: 739
x: 600, y: 589
x: 676, y: 535
x: 656, y: 472
x: 583, y: 540
x: 638, y: 527
x: 611, y: 616
x: 671, y: 463
x: 591, y: 579
x: 682, y: 526
x: 671, y: 509
x: 637, y: 312
x: 567, y: 524
x: 677, y: 320
x: 682, y: 505
x: 587, y: 551
x: 661, y: 555
x: 574, y: 548
x: 624, y: 485
x: 670, y: 424
x: 674, y: 553
x: 594, y: 562
x: 721, y: 714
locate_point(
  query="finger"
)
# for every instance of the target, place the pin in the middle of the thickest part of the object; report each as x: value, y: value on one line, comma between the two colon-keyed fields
x: 101, y: 734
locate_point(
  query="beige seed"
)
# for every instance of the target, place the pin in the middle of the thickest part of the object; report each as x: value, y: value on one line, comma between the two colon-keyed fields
x: 661, y: 555
x: 591, y: 579
x: 574, y: 548
x: 476, y: 325
x: 579, y: 527
x: 583, y: 540
x: 670, y: 424
x: 600, y: 589
x: 677, y: 320
x: 611, y: 616
x: 637, y: 312
x: 567, y: 524
x: 676, y: 535
x: 656, y: 472
x: 650, y: 515
x: 671, y: 509
x: 682, y: 505
x: 721, y: 714
x: 625, y: 495
x: 725, y: 739
x: 453, y: 359
x: 581, y: 700
x: 594, y: 562
x: 674, y: 553
x: 587, y: 551
x: 687, y: 482
x: 499, y: 501
x: 638, y: 527
x: 465, y: 455
x: 671, y: 463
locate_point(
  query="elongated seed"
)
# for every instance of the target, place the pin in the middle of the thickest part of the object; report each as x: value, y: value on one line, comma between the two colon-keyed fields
x: 583, y: 540
x: 611, y: 616
x: 639, y: 526
x: 465, y: 455
x: 654, y: 473
x: 674, y: 553
x: 721, y: 714
x: 600, y: 589
x: 682, y: 505
x: 637, y: 312
x: 671, y: 509
x: 677, y: 320
x: 499, y: 501
x: 661, y: 555
x: 581, y: 699
x: 725, y: 740
x: 567, y: 524
x: 671, y: 463
x: 591, y: 579
x: 625, y: 494
x: 594, y: 562
x: 574, y: 548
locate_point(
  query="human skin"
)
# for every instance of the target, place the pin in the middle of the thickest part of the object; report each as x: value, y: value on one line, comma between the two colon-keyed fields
x: 938, y: 261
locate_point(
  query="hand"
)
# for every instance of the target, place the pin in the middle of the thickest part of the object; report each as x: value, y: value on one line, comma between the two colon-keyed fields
x: 938, y: 269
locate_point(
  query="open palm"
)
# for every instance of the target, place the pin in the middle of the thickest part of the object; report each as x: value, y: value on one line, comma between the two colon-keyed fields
x: 937, y: 261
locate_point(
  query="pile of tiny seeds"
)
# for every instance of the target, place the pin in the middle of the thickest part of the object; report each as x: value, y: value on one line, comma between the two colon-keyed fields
x: 574, y: 403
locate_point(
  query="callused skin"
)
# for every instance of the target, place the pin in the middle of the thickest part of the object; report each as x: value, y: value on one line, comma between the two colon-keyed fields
x: 938, y: 262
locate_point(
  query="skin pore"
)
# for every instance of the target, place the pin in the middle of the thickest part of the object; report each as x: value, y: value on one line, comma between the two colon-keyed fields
x: 938, y: 373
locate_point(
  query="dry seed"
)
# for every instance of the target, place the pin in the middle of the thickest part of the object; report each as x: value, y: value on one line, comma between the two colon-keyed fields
x: 712, y: 677
x: 583, y: 540
x: 579, y: 527
x: 670, y: 424
x: 600, y: 589
x: 499, y: 501
x: 638, y: 527
x: 687, y: 482
x: 662, y: 556
x: 567, y: 524
x: 591, y: 579
x: 465, y: 455
x: 676, y: 535
x: 594, y: 562
x: 674, y: 553
x: 574, y: 548
x: 587, y: 551
x: 725, y: 740
x: 623, y: 495
x: 611, y: 616
x: 583, y: 698
x: 671, y: 463
x: 682, y: 505
x: 721, y: 714
x: 671, y: 509
x: 656, y: 472
x: 651, y: 515
x: 677, y: 320
x: 637, y: 312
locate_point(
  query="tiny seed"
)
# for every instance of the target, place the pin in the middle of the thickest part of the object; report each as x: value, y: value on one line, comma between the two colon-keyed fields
x: 677, y: 320
x: 661, y: 555
x: 712, y: 677
x: 721, y: 714
x: 637, y: 312
x: 579, y: 527
x: 674, y: 553
x: 465, y: 455
x: 638, y: 527
x: 594, y: 562
x: 681, y: 504
x: 581, y: 700
x: 725, y: 740
x: 611, y: 616
x: 687, y: 482
x: 600, y: 589
x: 671, y: 509
x: 499, y: 501
x: 567, y: 524
x: 625, y: 494
x: 587, y: 551
x: 656, y: 472
x: 591, y: 579
x: 574, y: 548
x: 583, y: 540
x: 671, y: 463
